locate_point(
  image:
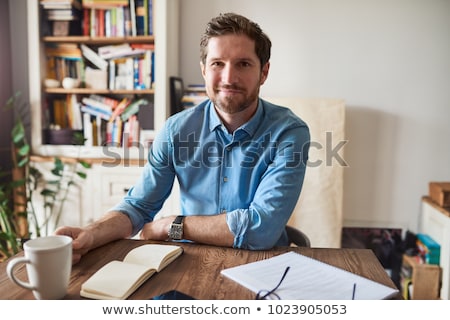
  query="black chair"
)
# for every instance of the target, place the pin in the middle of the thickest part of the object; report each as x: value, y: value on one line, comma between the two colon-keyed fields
x: 297, y: 237
x: 176, y: 87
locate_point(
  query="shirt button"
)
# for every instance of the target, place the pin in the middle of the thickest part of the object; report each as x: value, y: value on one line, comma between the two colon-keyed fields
x: 225, y: 179
x: 228, y: 148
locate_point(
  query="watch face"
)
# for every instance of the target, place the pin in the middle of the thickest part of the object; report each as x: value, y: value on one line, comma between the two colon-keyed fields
x: 176, y: 231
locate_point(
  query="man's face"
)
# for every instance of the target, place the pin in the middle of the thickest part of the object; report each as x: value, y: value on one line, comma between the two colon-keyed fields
x: 232, y: 73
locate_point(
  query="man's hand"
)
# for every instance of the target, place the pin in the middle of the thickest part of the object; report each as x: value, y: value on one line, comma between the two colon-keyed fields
x: 83, y: 241
x: 112, y: 226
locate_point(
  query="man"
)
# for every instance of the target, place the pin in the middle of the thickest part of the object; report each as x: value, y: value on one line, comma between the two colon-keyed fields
x: 239, y: 160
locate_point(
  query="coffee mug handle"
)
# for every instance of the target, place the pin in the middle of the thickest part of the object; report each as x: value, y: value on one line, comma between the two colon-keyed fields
x: 10, y: 271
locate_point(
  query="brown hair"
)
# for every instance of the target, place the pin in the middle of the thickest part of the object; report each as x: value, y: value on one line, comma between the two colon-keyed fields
x: 231, y: 23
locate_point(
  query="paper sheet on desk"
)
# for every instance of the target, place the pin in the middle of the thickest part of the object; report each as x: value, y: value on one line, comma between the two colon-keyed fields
x: 307, y: 279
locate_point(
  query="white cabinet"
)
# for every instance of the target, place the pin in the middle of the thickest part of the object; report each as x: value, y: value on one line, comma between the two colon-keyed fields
x: 435, y: 221
x: 103, y: 188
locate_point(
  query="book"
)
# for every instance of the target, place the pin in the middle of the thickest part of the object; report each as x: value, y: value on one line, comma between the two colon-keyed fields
x: 140, y: 16
x: 307, y: 279
x: 93, y: 57
x: 117, y: 280
x: 132, y: 108
x: 104, y: 3
x: 133, y: 18
x: 118, y: 51
x: 95, y: 112
x: 96, y: 104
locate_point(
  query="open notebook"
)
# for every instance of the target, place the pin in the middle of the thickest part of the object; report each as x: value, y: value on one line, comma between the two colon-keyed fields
x: 307, y: 279
x: 118, y: 279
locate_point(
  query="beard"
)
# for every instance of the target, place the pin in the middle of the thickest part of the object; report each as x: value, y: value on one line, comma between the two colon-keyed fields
x: 235, y: 103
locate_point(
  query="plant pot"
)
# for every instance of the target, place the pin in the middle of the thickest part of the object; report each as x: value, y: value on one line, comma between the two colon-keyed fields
x: 62, y: 136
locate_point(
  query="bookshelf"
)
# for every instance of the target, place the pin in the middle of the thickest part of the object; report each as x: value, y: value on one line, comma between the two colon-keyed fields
x: 435, y: 221
x: 114, y: 168
x: 165, y: 41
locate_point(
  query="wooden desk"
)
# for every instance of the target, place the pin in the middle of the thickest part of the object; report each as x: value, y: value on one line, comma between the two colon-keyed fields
x: 197, y: 271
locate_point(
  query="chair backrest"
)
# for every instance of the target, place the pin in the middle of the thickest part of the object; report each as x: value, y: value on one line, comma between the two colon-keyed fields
x: 297, y: 237
x: 176, y: 87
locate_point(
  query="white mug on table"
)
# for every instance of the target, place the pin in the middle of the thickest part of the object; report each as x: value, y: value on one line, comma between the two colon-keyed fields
x: 49, y: 263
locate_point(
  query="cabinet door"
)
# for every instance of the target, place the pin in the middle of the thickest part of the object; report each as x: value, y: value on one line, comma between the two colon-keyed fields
x: 110, y: 185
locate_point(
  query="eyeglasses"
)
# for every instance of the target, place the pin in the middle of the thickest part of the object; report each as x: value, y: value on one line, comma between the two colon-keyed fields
x: 264, y: 294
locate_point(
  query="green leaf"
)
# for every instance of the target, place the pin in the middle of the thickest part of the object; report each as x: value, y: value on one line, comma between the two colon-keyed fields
x: 18, y: 183
x: 78, y: 138
x: 18, y: 132
x: 24, y: 150
x: 48, y: 205
x: 53, y: 182
x: 34, y: 171
x: 84, y: 164
x: 23, y: 214
x: 23, y: 162
x: 58, y: 163
x: 48, y: 193
x: 56, y: 172
x: 4, y: 236
x: 81, y: 174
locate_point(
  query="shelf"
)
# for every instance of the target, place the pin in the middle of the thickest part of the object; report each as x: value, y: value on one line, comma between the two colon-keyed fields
x: 107, y: 154
x: 98, y: 40
x: 97, y: 91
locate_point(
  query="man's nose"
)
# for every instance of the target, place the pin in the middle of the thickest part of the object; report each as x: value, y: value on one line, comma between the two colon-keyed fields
x: 229, y: 74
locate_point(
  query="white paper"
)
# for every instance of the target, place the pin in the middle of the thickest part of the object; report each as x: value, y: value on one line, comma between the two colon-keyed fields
x: 307, y: 279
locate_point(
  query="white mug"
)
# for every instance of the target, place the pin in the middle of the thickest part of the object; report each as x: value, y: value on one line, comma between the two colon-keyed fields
x: 49, y: 263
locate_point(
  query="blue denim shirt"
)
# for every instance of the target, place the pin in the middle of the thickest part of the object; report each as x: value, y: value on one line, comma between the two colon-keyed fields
x: 254, y: 175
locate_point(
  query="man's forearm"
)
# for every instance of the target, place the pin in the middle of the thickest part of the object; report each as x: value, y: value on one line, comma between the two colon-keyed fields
x: 112, y: 226
x: 212, y: 230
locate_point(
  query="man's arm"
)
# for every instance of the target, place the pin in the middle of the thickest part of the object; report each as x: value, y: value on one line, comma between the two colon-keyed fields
x: 212, y: 230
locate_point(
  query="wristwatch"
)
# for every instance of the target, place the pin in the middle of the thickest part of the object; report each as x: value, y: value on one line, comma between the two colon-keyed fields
x: 176, y: 228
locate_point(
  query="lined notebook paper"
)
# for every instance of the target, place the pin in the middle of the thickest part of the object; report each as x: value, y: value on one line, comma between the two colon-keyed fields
x: 307, y: 279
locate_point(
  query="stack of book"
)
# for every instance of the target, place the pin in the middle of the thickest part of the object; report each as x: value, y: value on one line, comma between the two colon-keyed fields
x: 64, y: 60
x: 61, y: 13
x: 111, y: 122
x: 125, y: 66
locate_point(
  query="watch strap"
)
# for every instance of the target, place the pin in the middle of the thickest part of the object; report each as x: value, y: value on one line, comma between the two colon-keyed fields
x: 178, y: 220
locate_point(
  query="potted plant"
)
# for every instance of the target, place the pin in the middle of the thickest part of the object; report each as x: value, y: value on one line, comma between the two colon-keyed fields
x: 19, y: 220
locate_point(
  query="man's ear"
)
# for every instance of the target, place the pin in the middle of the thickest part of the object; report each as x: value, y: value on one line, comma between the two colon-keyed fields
x: 202, y: 68
x: 264, y: 73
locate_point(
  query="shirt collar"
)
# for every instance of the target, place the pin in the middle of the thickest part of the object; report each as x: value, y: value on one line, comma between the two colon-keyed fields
x: 249, y: 127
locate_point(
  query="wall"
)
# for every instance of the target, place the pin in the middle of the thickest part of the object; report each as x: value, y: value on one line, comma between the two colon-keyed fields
x: 5, y: 86
x: 388, y: 59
